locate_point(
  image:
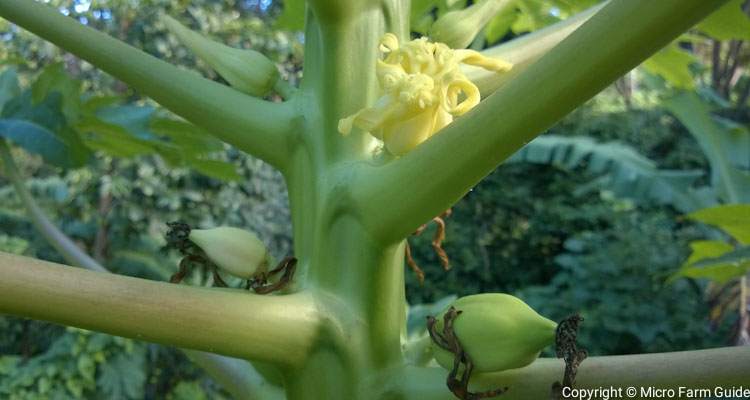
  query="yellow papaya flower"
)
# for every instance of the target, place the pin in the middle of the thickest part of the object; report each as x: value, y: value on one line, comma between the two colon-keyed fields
x: 423, y: 90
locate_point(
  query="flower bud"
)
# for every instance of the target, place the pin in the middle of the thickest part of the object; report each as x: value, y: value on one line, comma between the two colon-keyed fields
x: 246, y: 70
x: 234, y: 250
x: 458, y: 28
x: 498, y: 332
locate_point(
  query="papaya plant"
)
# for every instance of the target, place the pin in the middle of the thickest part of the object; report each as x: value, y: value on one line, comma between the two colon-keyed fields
x: 383, y: 134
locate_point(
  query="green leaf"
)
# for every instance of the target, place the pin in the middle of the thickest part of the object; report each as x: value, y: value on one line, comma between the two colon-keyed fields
x: 188, y: 137
x: 704, y: 249
x: 732, y: 218
x: 8, y: 364
x: 728, y: 22
x: 48, y: 114
x: 500, y: 25
x: 707, y: 250
x: 625, y: 171
x: 215, y: 169
x: 113, y: 139
x: 53, y: 79
x: 134, y: 119
x: 292, y: 18
x: 13, y: 245
x: 123, y: 376
x: 36, y: 139
x: 8, y: 86
x: 717, y: 142
x: 419, y: 7
x: 419, y: 17
x: 740, y: 257
x: 534, y: 15
x: 673, y: 64
x: 187, y: 391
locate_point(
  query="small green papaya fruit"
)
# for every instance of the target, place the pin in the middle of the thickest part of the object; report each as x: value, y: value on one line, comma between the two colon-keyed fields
x: 236, y: 251
x: 498, y: 332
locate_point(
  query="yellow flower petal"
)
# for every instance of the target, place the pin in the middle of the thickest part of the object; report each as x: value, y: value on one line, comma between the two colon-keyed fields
x: 472, y: 57
x: 388, y: 43
x: 403, y: 136
x: 468, y: 90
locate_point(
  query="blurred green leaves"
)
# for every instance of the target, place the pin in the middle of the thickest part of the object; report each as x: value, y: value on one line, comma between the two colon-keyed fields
x: 726, y: 150
x: 56, y: 121
x: 78, y: 364
x: 673, y: 64
x: 619, y: 168
x: 720, y: 260
x: 292, y: 17
x: 728, y: 22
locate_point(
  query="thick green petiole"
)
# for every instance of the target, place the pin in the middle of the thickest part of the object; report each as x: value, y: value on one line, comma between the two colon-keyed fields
x: 440, y: 171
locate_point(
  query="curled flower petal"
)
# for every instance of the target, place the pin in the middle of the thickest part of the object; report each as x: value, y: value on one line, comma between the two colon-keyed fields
x: 388, y: 43
x: 468, y: 90
x: 476, y: 58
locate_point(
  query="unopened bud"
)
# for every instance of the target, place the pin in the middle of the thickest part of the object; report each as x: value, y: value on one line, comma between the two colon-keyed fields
x: 246, y: 70
x: 458, y: 28
x: 234, y: 250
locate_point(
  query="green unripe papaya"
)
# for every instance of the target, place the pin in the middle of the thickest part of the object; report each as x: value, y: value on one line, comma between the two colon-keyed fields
x: 498, y: 332
x: 234, y: 250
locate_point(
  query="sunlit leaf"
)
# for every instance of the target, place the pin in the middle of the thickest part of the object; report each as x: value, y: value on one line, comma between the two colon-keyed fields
x: 215, y: 169
x: 740, y: 257
x: 673, y: 64
x: 728, y: 22
x: 708, y: 250
x: 732, y: 218
x: 293, y: 16
x: 500, y: 25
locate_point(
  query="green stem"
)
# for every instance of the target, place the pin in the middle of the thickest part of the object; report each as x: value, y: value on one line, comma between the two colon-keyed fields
x: 54, y: 236
x: 276, y: 329
x: 706, y: 369
x: 258, y: 127
x: 403, y: 194
x: 236, y: 376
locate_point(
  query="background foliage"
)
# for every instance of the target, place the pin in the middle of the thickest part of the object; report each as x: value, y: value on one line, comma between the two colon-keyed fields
x: 587, y: 218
